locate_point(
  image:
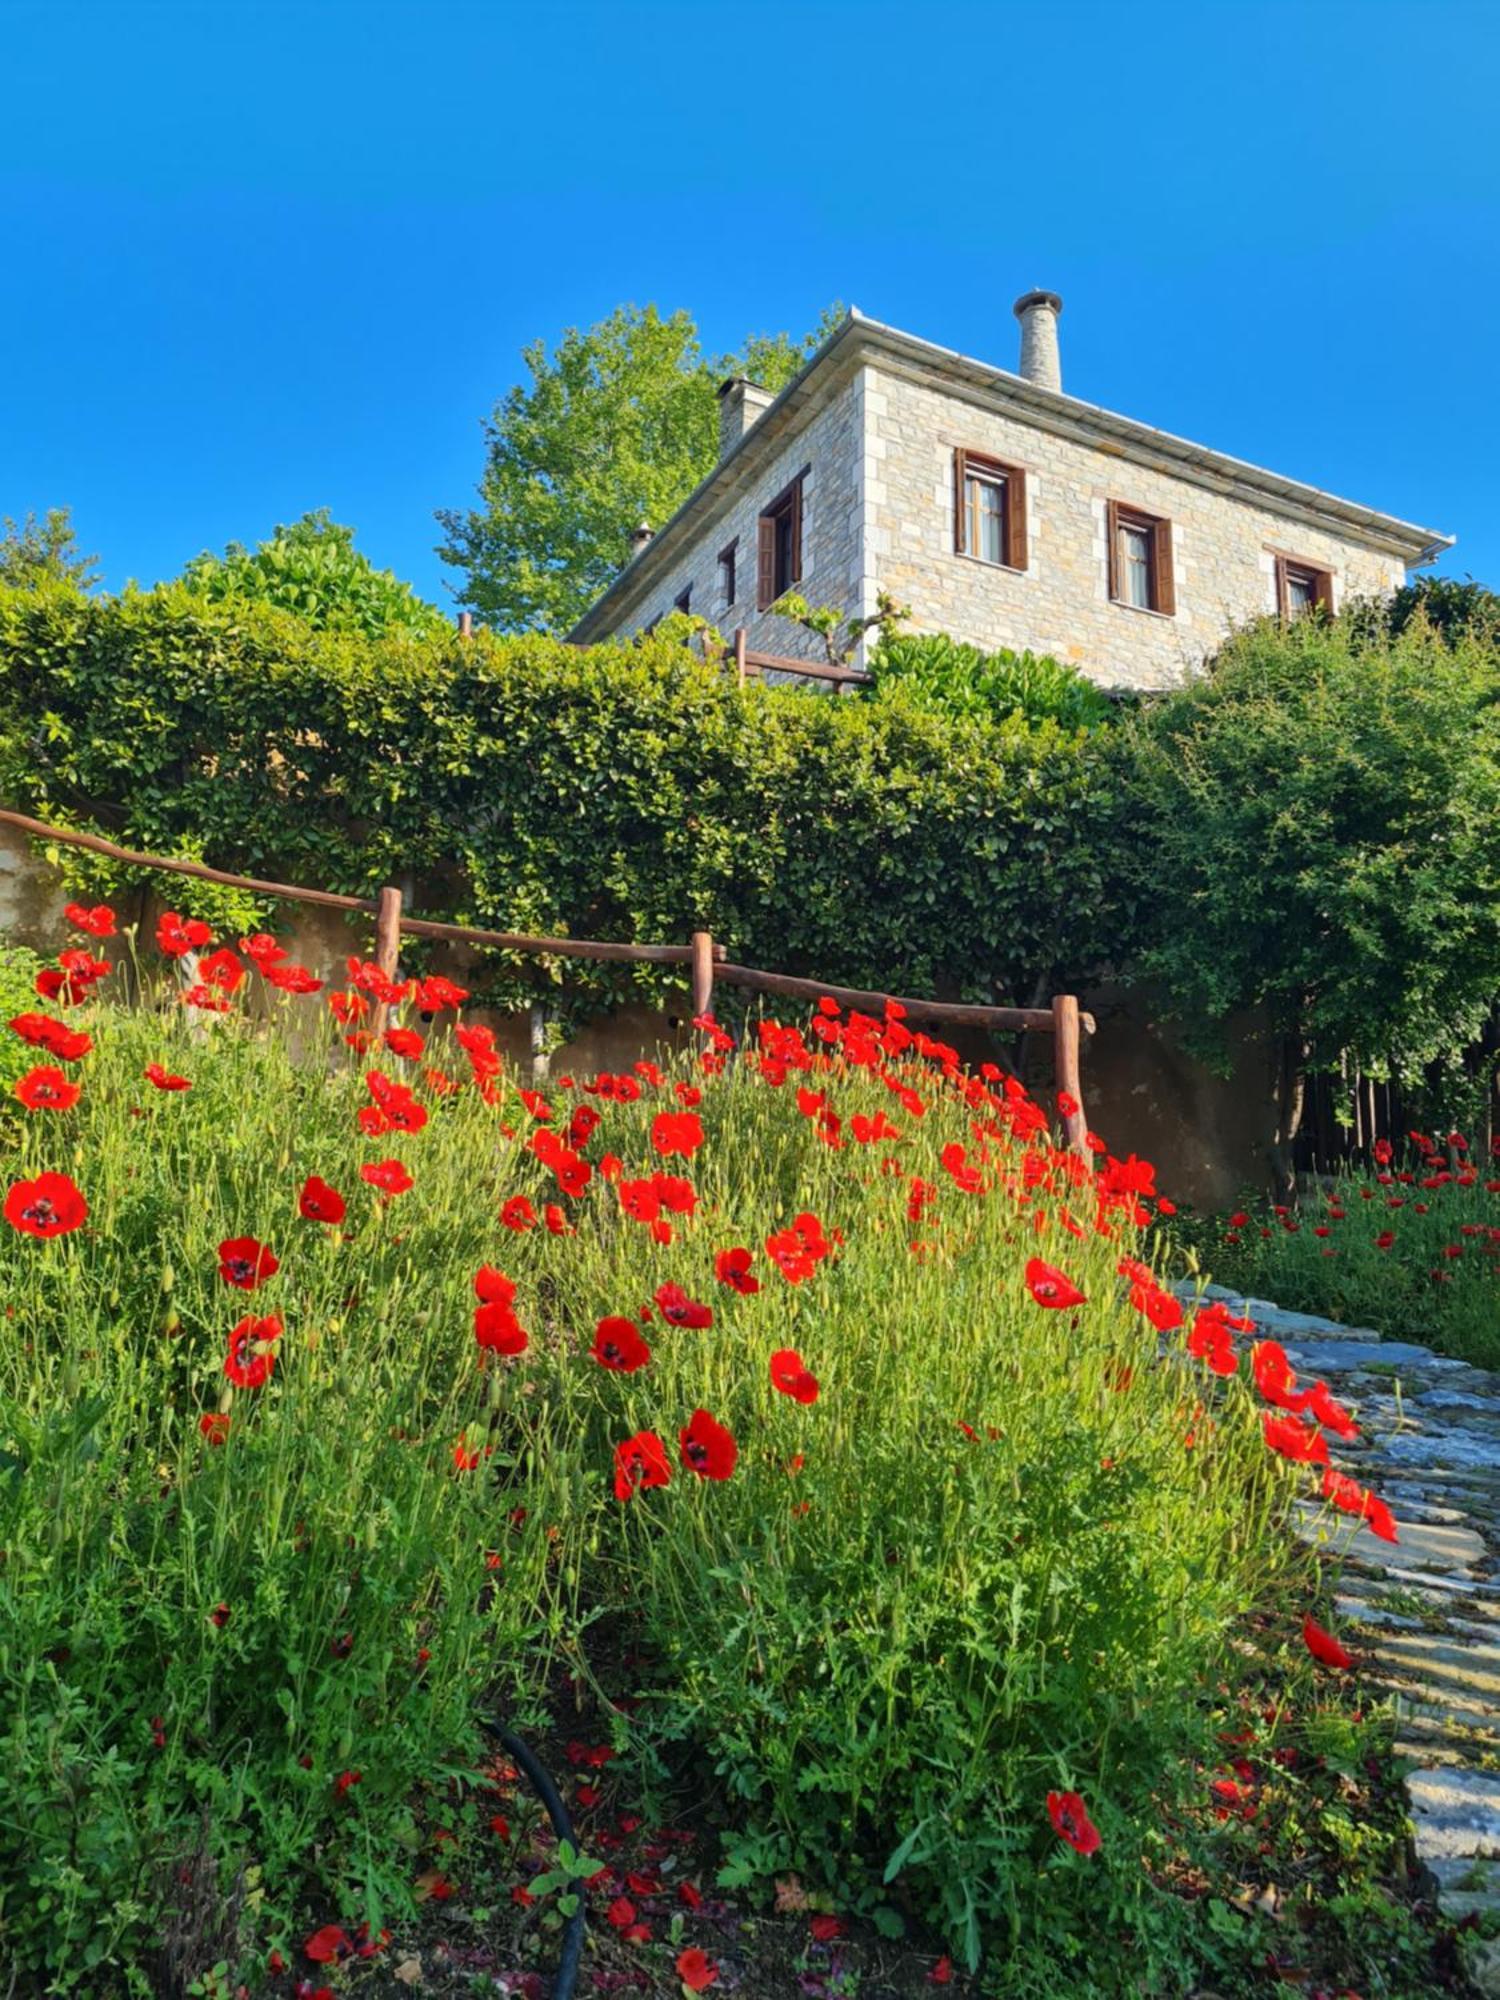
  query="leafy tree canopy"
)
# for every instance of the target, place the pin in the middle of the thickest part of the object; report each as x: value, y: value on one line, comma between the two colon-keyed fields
x: 617, y: 425
x: 313, y: 568
x: 1313, y: 828
x: 33, y: 551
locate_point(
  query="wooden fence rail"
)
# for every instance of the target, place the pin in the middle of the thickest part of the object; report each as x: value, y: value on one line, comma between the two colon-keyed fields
x: 705, y: 960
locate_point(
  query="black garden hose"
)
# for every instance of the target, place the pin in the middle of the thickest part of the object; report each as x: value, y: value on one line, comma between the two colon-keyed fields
x: 562, y: 1826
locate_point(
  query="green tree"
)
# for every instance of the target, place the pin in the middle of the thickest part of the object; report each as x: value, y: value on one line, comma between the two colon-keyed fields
x: 1313, y: 829
x: 313, y: 568
x: 617, y: 425
x: 33, y: 551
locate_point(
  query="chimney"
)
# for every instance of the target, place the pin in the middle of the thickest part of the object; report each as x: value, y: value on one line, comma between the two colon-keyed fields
x: 640, y: 535
x: 1037, y: 312
x: 740, y: 403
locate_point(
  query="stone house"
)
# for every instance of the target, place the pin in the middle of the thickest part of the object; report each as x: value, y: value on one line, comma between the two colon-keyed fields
x: 997, y: 509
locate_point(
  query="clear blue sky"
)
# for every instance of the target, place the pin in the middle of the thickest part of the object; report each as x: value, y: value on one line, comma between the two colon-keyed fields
x: 265, y: 257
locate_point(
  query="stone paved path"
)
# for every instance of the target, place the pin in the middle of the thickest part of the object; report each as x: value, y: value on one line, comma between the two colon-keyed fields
x: 1425, y: 1613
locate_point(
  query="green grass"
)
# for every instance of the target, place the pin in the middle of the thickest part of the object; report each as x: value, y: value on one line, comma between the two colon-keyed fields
x: 1006, y: 1551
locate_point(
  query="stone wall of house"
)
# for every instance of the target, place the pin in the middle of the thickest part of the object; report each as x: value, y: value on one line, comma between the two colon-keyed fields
x: 1224, y: 549
x: 831, y: 447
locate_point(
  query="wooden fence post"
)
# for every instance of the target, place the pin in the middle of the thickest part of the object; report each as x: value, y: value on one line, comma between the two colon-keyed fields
x: 1067, y: 1074
x: 703, y: 973
x: 741, y: 640
x: 387, y: 946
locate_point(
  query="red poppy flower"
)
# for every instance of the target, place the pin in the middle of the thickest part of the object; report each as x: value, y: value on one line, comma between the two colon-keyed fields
x: 707, y: 1448
x: 96, y: 922
x: 319, y: 1202
x: 732, y: 1268
x: 292, y: 978
x: 213, y: 1427
x: 164, y: 1079
x: 252, y: 1351
x: 404, y: 1042
x: 223, y: 970
x: 262, y: 949
x: 677, y: 1309
x: 789, y: 1252
x: 246, y: 1262
x: 387, y: 1175
x: 347, y: 1008
x: 790, y: 1376
x: 641, y: 1462
x: 435, y: 993
x: 48, y: 1206
x: 329, y: 1946
x: 1163, y: 1311
x: 518, y: 1213
x: 1303, y: 1443
x: 676, y: 1132
x: 181, y: 935
x: 696, y: 1970
x: 1071, y: 1822
x: 675, y: 1193
x: 825, y: 1928
x: 45, y: 1088
x: 1331, y: 1414
x: 1049, y: 1287
x: 1324, y: 1648
x: 496, y: 1326
x: 556, y: 1221
x: 1351, y: 1498
x: 492, y: 1287
x: 618, y: 1345
x: 464, y: 1460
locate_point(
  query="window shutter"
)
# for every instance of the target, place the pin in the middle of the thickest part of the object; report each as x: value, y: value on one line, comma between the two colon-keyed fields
x: 960, y: 500
x: 765, y: 589
x: 1323, y: 587
x: 1112, y: 544
x: 1166, y: 586
x: 796, y: 533
x: 1283, y: 598
x: 1015, y: 519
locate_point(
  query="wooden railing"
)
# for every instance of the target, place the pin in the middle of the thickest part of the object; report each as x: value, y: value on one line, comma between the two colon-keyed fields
x: 748, y: 663
x: 706, y: 963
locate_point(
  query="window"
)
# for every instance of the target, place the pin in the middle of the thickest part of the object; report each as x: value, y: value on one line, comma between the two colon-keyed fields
x: 1140, y: 559
x: 989, y: 509
x: 684, y: 603
x: 1301, y: 588
x: 726, y: 572
x: 780, y: 545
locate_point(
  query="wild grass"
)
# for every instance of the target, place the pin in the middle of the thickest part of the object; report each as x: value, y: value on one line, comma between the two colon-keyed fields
x: 1004, y: 1553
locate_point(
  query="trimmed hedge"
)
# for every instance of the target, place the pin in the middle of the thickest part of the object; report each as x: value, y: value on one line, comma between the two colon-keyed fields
x: 617, y: 792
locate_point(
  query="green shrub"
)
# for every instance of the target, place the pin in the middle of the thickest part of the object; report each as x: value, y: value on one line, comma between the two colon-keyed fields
x: 1312, y: 830
x: 956, y: 679
x: 618, y: 792
x: 1001, y: 1553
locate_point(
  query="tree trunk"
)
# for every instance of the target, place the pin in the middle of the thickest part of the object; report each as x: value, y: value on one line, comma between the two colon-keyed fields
x: 1290, y: 1096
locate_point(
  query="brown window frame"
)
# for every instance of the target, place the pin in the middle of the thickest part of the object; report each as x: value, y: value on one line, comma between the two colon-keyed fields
x: 1162, y: 581
x: 1321, y: 579
x: 728, y: 568
x: 1012, y: 480
x: 788, y: 506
